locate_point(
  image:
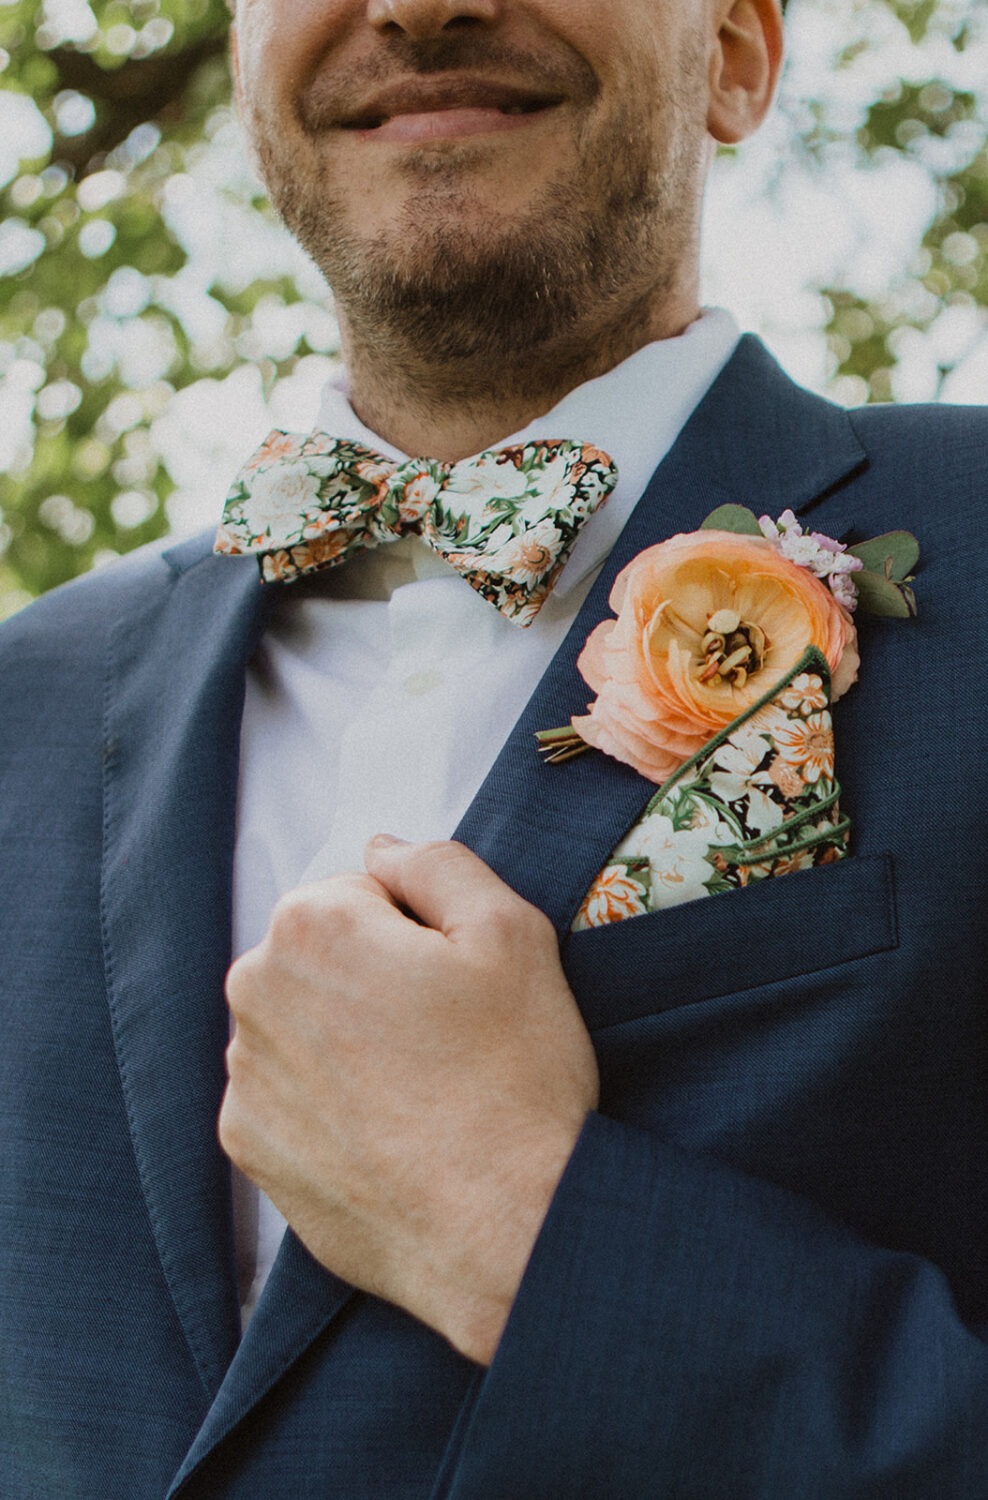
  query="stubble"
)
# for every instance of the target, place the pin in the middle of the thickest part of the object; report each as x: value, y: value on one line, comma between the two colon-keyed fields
x: 468, y: 308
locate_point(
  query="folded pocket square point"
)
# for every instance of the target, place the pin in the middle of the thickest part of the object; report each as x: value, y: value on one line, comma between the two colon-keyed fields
x: 759, y: 800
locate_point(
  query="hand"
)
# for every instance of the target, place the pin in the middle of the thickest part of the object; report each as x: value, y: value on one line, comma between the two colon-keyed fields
x: 408, y: 1088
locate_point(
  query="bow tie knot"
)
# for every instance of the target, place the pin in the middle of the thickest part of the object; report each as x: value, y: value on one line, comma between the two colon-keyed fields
x: 506, y: 520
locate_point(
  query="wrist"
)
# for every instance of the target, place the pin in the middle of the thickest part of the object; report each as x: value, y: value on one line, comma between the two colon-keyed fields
x: 483, y: 1256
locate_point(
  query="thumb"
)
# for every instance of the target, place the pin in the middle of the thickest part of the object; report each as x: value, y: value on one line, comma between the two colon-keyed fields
x: 445, y: 885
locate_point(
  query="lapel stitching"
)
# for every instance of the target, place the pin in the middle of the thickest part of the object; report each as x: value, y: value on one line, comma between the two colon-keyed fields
x: 171, y: 714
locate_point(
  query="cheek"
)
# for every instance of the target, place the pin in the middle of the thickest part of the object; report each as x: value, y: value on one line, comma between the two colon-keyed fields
x: 626, y: 42
x: 280, y: 42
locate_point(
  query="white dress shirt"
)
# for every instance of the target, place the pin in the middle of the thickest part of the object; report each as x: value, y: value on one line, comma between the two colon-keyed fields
x: 383, y: 690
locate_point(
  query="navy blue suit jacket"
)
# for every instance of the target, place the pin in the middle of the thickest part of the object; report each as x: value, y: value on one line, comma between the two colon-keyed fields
x: 764, y: 1274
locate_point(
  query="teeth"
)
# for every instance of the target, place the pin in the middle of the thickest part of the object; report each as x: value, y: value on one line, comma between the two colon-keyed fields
x: 374, y: 122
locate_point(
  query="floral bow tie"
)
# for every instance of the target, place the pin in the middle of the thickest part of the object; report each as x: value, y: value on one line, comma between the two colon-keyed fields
x: 507, y: 519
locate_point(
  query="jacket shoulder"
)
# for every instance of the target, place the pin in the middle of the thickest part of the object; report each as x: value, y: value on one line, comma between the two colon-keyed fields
x: 927, y: 471
x: 931, y: 429
x: 71, y: 621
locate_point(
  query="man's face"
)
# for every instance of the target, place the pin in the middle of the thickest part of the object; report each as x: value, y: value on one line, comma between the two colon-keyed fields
x: 499, y: 162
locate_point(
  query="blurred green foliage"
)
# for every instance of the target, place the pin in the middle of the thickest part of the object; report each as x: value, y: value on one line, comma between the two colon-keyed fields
x: 96, y: 333
x: 943, y: 129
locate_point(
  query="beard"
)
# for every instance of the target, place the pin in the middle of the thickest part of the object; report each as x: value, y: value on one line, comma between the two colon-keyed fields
x: 492, y: 303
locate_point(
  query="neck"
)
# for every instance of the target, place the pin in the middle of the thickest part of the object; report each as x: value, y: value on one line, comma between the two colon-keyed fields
x: 454, y: 408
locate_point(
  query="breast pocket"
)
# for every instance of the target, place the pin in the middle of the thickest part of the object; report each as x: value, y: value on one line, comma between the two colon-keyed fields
x: 778, y: 929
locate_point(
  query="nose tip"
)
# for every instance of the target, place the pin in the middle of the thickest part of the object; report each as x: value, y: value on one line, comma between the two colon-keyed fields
x: 421, y: 19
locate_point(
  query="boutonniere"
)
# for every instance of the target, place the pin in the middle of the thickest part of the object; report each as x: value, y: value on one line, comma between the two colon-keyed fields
x: 715, y: 682
x: 708, y: 621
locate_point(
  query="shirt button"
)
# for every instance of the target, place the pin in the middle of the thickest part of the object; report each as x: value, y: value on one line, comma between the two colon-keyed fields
x: 420, y: 683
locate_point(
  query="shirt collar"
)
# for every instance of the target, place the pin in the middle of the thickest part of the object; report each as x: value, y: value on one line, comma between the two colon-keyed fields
x: 634, y: 412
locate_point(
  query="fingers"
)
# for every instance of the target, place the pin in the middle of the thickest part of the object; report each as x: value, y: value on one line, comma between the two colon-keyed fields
x: 309, y: 922
x: 449, y: 888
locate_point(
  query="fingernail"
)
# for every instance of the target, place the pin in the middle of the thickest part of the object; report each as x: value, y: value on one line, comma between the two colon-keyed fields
x: 384, y: 841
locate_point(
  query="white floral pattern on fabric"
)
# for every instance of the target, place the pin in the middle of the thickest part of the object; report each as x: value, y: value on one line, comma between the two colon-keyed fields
x: 281, y: 496
x: 759, y: 800
x: 507, y: 519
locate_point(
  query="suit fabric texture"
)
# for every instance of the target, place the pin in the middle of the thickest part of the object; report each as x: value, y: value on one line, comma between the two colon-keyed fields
x: 764, y: 1273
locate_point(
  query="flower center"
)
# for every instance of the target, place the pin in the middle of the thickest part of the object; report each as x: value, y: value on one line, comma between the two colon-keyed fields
x: 732, y: 649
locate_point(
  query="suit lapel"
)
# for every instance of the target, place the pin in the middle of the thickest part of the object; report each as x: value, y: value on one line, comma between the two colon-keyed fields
x: 175, y: 693
x: 173, y: 709
x: 299, y: 1300
x: 757, y: 440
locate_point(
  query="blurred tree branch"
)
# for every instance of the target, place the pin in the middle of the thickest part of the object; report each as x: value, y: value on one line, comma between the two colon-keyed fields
x: 149, y: 89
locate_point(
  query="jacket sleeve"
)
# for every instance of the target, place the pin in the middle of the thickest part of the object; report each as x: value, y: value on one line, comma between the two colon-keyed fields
x: 687, y: 1332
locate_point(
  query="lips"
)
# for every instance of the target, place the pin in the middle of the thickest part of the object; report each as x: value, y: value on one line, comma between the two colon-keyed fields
x: 425, y: 97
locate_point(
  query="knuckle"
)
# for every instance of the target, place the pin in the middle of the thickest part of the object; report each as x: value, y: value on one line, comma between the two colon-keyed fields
x: 294, y: 921
x: 234, y: 1136
x: 243, y: 982
x: 510, y: 921
x: 423, y: 860
x: 456, y: 853
x: 539, y: 929
x: 303, y: 918
x: 518, y: 926
x: 441, y: 854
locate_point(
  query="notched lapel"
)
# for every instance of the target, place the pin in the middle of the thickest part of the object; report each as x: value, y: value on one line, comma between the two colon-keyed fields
x: 299, y: 1300
x: 757, y: 440
x: 174, y: 698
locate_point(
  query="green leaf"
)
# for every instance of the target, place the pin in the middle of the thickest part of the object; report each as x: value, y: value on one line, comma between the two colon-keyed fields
x: 894, y: 555
x: 878, y: 595
x: 736, y: 518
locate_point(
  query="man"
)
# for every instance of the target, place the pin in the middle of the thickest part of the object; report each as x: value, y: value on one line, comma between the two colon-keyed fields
x: 688, y: 1205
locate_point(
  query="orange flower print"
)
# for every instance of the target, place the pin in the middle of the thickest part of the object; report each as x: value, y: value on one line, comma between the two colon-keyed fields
x: 373, y: 472
x: 528, y: 605
x: 416, y: 496
x: 227, y: 542
x: 614, y: 896
x: 786, y: 864
x: 594, y: 457
x: 276, y: 446
x: 297, y: 493
x: 808, y: 746
x: 277, y: 567
x: 321, y: 525
x: 321, y: 549
x: 805, y: 694
x: 527, y: 558
x: 786, y: 778
x: 281, y: 567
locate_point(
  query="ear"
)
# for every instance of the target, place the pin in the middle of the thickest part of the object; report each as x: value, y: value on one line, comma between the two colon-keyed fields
x: 238, y: 88
x: 238, y: 97
x: 744, y: 67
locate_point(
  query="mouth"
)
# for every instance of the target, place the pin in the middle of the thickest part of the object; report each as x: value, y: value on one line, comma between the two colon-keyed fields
x: 429, y: 109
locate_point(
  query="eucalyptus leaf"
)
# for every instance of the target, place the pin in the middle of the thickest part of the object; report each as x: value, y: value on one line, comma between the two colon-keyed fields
x: 878, y: 595
x: 894, y: 554
x: 736, y: 518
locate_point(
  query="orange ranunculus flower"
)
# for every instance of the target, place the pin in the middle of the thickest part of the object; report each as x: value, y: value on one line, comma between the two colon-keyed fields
x: 706, y: 622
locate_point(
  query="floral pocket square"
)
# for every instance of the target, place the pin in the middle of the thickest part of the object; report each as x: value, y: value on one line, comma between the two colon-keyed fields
x: 759, y: 799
